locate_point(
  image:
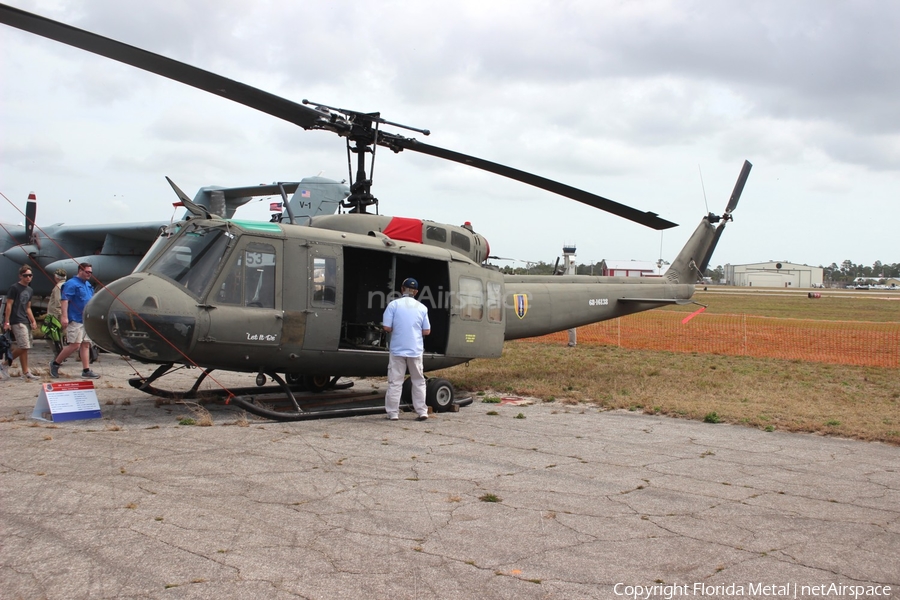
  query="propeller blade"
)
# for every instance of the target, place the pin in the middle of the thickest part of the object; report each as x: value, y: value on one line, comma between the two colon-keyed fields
x: 30, y: 215
x: 632, y: 214
x: 738, y: 187
x: 305, y: 117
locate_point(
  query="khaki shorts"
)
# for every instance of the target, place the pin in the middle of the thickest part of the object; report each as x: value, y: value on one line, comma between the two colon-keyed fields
x: 23, y: 335
x: 75, y: 333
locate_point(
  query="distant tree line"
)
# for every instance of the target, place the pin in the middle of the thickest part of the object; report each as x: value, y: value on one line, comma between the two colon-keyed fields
x: 846, y: 272
x: 542, y: 268
x: 538, y: 268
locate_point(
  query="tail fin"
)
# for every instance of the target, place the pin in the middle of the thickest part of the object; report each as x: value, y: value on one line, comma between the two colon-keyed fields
x: 317, y: 196
x: 312, y: 196
x: 691, y: 263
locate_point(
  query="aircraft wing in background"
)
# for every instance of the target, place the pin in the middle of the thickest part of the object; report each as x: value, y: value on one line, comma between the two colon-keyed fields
x: 115, y: 249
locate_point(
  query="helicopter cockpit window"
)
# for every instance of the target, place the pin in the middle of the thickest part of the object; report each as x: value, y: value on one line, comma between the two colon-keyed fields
x: 460, y: 240
x: 494, y: 302
x: 251, y: 278
x: 438, y: 234
x: 164, y: 237
x: 324, y: 280
x: 471, y: 299
x: 192, y: 259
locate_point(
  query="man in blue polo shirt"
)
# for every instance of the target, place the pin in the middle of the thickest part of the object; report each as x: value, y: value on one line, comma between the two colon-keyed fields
x: 75, y: 295
x: 406, y: 319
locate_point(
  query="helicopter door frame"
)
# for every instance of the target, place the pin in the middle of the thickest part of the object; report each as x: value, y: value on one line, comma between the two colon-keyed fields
x: 477, y: 315
x: 325, y: 296
x: 245, y: 302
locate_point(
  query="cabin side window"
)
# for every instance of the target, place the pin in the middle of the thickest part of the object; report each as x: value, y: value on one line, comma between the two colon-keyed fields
x: 495, y: 302
x: 471, y: 299
x: 324, y: 280
x: 251, y: 278
x: 438, y: 234
x: 460, y: 240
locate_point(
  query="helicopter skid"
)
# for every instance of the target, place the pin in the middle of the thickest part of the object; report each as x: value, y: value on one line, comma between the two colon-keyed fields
x: 145, y: 384
x: 321, y: 406
x: 281, y: 402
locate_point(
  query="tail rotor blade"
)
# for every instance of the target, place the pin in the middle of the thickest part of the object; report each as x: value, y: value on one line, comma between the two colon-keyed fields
x: 738, y: 187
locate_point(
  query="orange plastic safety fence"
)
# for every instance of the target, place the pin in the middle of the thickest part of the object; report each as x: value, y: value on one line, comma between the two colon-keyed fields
x: 837, y: 342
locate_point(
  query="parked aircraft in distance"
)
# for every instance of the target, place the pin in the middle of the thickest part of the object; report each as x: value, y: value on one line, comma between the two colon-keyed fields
x: 115, y: 249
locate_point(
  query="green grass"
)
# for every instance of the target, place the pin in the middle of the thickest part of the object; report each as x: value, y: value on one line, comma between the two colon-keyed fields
x: 769, y: 394
x: 832, y: 306
x: 490, y: 498
x: 764, y: 393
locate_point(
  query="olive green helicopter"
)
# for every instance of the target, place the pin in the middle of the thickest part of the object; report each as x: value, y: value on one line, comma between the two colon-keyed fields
x: 299, y: 300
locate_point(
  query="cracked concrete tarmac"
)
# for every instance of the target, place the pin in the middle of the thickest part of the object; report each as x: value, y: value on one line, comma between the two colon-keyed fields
x: 135, y: 505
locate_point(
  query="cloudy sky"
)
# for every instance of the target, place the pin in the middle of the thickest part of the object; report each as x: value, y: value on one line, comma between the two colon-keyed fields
x: 653, y: 104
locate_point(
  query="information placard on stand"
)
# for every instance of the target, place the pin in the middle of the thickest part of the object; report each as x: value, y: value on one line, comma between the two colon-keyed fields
x: 67, y: 401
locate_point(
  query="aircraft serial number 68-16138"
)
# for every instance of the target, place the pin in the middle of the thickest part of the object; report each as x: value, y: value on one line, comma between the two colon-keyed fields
x: 300, y: 301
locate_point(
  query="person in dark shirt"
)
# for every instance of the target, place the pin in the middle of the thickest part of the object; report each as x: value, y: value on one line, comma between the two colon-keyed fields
x: 19, y: 319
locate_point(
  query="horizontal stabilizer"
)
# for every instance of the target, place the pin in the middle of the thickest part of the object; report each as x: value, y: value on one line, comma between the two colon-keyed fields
x: 678, y: 301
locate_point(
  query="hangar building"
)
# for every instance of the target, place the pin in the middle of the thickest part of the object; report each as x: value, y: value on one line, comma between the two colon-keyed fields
x: 774, y: 274
x: 628, y: 268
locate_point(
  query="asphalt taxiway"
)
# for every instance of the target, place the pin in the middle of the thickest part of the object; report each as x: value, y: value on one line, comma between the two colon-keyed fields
x: 538, y: 501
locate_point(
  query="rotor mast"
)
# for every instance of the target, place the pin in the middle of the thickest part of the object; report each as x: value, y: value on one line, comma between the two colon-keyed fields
x: 361, y: 189
x: 362, y: 130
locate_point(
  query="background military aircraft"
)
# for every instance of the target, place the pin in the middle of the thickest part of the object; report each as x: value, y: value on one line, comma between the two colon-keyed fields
x: 114, y: 249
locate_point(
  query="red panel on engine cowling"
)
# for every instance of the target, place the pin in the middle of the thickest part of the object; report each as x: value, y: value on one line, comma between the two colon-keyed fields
x: 405, y: 229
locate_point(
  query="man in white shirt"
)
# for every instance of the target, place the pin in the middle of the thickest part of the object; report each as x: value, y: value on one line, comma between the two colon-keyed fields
x: 406, y: 319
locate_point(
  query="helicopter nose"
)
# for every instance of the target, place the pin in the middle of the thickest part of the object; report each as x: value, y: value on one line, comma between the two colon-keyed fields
x: 144, y: 317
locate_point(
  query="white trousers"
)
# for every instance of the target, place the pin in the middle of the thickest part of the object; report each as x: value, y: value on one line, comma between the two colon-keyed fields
x: 397, y: 367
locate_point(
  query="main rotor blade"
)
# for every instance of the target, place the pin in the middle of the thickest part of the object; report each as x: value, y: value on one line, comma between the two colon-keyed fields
x: 299, y: 114
x: 632, y: 214
x: 276, y: 106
